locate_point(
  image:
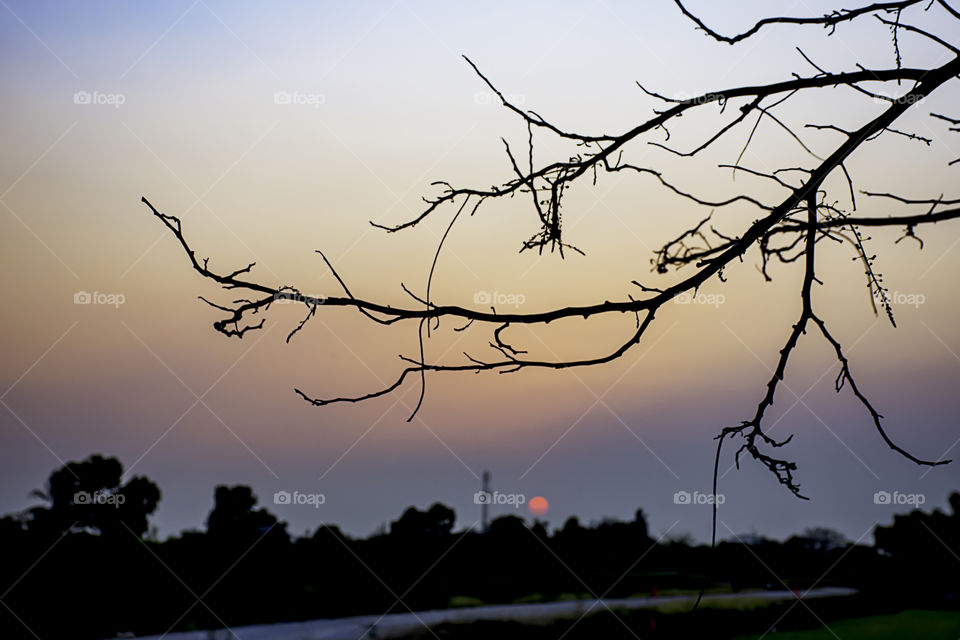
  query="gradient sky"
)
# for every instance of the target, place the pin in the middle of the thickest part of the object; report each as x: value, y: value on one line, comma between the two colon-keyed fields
x: 395, y: 107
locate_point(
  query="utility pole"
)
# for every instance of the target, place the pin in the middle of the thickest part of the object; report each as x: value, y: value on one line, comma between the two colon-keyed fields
x: 485, y: 505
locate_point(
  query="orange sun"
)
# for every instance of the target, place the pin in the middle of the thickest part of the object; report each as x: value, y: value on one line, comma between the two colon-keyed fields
x: 538, y: 506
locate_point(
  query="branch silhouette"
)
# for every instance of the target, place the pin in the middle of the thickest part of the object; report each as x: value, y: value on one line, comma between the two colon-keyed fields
x: 787, y: 230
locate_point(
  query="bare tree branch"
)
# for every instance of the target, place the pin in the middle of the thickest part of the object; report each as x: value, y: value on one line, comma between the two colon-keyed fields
x: 831, y: 19
x: 786, y: 231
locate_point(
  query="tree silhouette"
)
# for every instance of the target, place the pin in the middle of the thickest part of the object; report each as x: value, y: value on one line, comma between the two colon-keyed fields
x: 248, y: 571
x: 235, y: 519
x: 818, y: 539
x: 786, y: 230
x: 89, y: 495
x: 433, y: 523
x: 918, y: 541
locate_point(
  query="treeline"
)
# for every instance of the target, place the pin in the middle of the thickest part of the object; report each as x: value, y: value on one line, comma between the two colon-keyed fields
x: 81, y: 565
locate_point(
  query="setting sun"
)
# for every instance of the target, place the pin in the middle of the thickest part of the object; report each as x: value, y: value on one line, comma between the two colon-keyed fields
x: 538, y: 506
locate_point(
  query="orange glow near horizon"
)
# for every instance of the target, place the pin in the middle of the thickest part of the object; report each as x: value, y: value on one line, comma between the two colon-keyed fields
x: 538, y: 506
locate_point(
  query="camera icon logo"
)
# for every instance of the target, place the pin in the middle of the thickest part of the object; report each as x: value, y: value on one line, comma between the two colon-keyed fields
x: 81, y: 497
x: 482, y: 297
x: 481, y: 497
x: 81, y: 97
x: 681, y: 497
x: 281, y: 497
x: 282, y: 97
x: 82, y: 297
x: 881, y: 497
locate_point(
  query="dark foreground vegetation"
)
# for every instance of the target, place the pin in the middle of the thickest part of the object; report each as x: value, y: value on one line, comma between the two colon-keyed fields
x: 83, y: 565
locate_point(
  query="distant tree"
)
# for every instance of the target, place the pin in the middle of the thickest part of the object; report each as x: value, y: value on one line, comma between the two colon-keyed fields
x: 435, y: 522
x: 924, y: 547
x: 679, y: 540
x: 329, y: 533
x: 754, y: 539
x: 813, y: 203
x: 88, y: 495
x: 234, y: 517
x: 571, y: 527
x: 539, y: 529
x: 921, y: 534
x: 509, y: 527
x: 819, y: 539
x: 639, y: 525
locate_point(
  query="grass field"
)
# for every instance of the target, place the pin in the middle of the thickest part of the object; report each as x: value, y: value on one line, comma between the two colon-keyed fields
x: 929, y: 625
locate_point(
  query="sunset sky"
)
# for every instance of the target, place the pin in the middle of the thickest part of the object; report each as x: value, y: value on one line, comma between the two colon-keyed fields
x: 182, y: 109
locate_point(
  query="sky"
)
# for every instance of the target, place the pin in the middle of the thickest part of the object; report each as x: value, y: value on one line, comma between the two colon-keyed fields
x: 105, y: 102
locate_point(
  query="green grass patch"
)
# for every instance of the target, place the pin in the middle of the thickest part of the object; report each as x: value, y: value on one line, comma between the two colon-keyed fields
x: 532, y: 598
x: 929, y: 625
x: 465, y: 601
x: 740, y: 603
